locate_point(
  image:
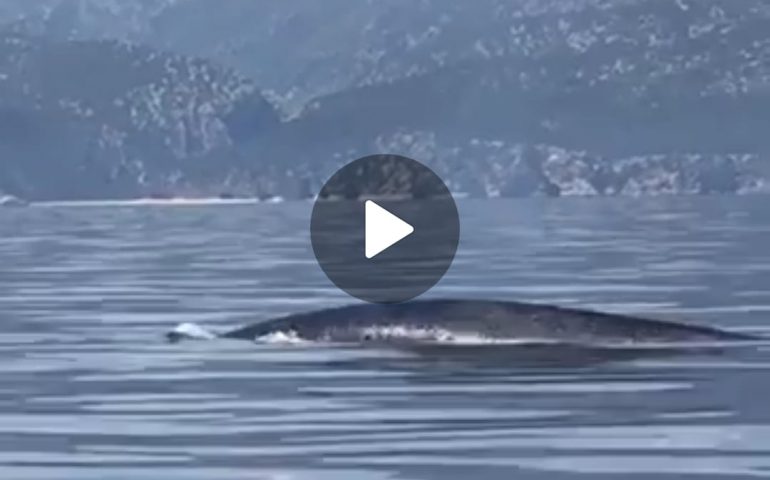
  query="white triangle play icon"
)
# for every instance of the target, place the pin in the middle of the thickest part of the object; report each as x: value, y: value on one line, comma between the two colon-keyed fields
x: 383, y: 229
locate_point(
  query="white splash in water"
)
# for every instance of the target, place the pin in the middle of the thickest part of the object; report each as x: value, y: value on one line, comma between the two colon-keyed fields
x: 279, y: 337
x: 193, y: 331
x: 440, y: 335
x: 396, y: 332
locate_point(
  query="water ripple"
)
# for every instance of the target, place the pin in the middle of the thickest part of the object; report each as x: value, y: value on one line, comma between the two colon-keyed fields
x: 90, y: 391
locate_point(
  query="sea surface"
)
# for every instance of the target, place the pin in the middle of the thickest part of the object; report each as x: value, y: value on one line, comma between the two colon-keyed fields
x: 89, y: 389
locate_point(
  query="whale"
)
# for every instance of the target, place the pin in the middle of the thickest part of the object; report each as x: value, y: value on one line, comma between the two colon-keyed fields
x: 456, y: 321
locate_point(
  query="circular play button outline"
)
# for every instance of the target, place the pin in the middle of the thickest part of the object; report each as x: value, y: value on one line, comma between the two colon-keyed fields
x: 385, y: 228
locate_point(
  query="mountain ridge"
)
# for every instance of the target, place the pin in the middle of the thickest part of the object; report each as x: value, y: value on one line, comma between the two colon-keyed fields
x: 578, y: 97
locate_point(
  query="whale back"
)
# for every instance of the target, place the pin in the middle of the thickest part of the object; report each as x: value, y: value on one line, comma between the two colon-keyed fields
x: 485, y: 319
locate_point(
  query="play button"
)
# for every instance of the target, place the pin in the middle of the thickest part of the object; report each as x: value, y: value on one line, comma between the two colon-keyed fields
x: 385, y: 228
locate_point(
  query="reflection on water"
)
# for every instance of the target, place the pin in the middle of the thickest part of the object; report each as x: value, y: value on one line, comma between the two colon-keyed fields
x: 90, y: 390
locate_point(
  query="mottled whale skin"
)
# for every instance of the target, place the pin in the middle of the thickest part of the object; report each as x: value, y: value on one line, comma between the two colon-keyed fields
x: 486, y: 319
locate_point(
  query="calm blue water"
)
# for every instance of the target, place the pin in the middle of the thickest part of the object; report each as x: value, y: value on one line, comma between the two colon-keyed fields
x: 89, y: 390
